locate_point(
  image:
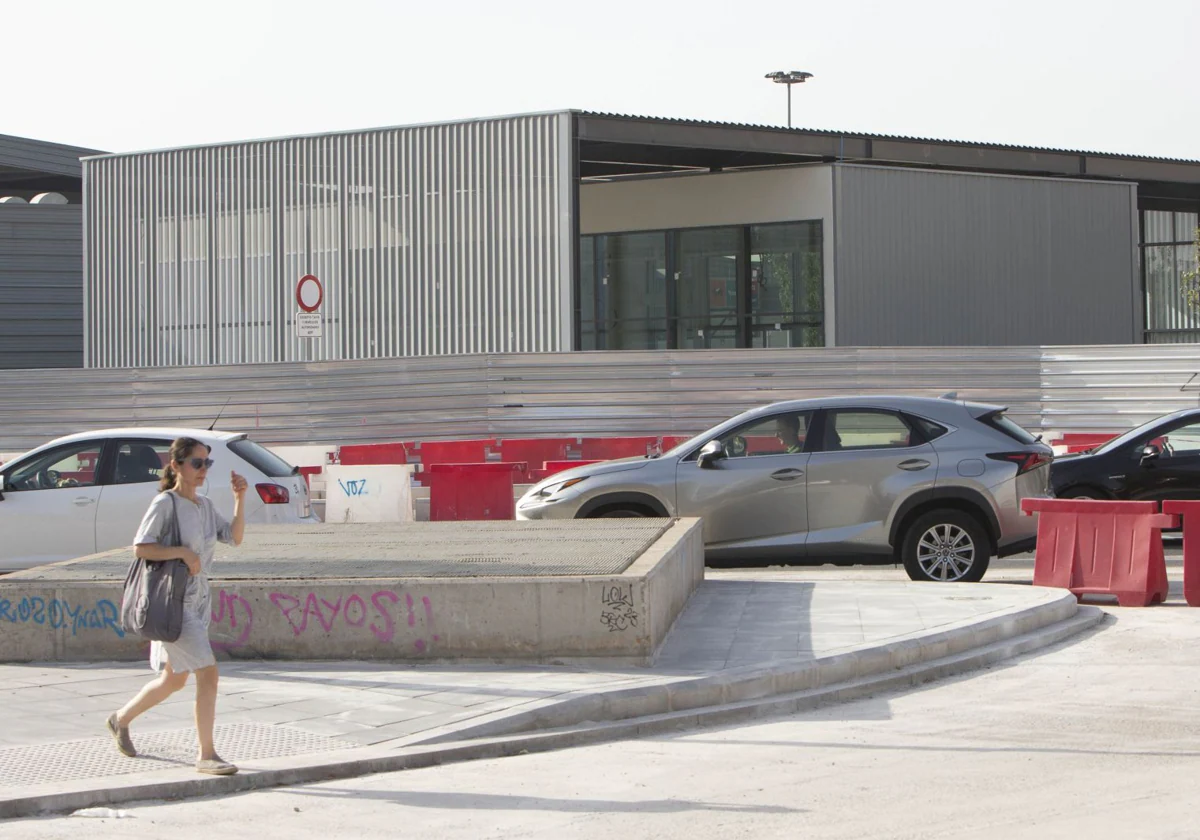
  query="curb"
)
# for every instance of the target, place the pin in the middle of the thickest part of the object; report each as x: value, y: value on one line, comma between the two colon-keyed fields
x: 853, y: 684
x: 757, y: 682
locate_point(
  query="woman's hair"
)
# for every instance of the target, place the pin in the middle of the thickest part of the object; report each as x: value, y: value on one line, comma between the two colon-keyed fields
x: 181, y: 448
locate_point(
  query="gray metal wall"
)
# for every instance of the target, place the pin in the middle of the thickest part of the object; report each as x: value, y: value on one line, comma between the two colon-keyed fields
x: 41, y: 295
x: 934, y: 259
x: 569, y: 394
x: 429, y: 240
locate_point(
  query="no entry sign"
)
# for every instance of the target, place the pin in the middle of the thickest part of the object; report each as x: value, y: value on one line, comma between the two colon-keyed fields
x: 309, y: 293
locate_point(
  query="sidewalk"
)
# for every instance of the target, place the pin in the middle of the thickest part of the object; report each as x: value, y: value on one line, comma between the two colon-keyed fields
x: 739, y: 630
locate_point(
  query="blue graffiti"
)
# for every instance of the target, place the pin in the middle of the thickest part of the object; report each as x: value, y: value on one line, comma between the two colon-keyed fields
x: 58, y: 614
x: 354, y: 488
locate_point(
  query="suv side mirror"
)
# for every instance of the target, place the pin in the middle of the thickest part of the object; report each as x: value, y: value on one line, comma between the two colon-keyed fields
x: 710, y: 453
x: 1150, y: 452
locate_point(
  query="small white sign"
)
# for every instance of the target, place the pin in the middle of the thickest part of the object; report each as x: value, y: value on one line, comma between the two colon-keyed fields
x: 308, y: 324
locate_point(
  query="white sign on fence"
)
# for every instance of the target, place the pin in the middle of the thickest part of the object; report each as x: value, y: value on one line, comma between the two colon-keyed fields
x: 308, y: 324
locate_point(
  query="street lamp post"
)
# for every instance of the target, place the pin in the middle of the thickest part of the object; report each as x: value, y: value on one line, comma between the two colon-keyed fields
x: 791, y: 77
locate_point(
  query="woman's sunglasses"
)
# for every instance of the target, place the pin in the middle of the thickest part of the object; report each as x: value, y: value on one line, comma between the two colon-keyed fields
x: 196, y: 463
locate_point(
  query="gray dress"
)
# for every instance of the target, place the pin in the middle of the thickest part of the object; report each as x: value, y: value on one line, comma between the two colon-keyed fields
x: 200, y: 526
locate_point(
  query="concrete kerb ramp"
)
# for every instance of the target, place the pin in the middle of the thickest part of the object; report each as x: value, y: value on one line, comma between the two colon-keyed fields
x: 1048, y: 616
x: 511, y: 591
x: 1044, y: 618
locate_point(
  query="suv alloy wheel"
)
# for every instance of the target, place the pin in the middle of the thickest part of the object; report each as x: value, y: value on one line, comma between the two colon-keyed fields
x: 945, y: 545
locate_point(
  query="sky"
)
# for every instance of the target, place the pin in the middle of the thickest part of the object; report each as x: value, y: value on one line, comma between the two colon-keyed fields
x: 126, y: 75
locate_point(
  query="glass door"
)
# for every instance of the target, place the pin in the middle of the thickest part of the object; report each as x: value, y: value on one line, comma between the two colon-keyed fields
x: 707, y: 267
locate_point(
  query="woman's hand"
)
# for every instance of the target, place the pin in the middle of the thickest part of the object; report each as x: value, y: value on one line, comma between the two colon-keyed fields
x: 239, y: 486
x: 191, y: 559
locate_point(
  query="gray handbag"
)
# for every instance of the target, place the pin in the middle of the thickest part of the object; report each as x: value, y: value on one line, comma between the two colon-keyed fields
x: 152, y: 604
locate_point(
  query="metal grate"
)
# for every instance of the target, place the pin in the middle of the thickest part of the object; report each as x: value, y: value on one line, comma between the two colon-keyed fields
x: 98, y: 757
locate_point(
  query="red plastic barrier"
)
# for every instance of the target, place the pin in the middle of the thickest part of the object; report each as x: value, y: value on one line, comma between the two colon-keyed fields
x: 551, y: 467
x: 360, y: 454
x: 1101, y: 547
x: 1083, y: 441
x: 671, y: 441
x: 606, y: 449
x: 535, y: 451
x: 459, y: 492
x: 308, y: 472
x: 1189, y: 511
x: 453, y: 452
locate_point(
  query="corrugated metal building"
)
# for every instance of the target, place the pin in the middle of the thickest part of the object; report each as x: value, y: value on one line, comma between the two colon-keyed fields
x: 41, y: 254
x: 579, y: 231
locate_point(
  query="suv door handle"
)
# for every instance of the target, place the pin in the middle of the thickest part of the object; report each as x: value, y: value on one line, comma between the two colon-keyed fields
x: 83, y: 501
x: 789, y: 474
x: 914, y: 464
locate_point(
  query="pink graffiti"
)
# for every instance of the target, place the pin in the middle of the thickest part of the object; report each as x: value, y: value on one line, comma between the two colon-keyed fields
x: 297, y: 610
x: 229, y: 606
x: 429, y: 625
x: 384, y: 635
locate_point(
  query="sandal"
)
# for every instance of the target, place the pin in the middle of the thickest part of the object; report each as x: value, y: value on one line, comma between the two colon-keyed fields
x: 215, y: 767
x: 121, y: 736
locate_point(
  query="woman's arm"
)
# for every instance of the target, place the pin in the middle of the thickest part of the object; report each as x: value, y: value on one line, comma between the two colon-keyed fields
x: 238, y: 526
x: 154, y: 551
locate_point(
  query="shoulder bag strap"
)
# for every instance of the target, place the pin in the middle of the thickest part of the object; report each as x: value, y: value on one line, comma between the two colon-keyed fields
x: 175, y: 534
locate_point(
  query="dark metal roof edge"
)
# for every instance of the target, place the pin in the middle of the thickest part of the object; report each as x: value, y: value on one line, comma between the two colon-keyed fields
x: 42, y: 156
x: 254, y: 141
x: 810, y: 132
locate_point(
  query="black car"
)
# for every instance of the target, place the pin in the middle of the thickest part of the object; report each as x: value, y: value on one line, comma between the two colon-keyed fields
x: 1156, y: 461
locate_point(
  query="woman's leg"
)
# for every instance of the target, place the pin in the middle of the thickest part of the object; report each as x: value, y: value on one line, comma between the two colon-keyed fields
x: 206, y: 709
x: 152, y: 693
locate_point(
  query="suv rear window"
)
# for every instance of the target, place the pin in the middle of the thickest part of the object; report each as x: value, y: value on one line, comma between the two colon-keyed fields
x: 261, y: 458
x: 1002, y: 424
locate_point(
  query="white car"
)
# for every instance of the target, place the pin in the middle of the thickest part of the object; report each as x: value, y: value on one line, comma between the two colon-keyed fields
x: 87, y: 493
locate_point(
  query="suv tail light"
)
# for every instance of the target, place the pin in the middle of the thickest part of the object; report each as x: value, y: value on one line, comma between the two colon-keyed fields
x: 272, y: 494
x: 1025, y: 461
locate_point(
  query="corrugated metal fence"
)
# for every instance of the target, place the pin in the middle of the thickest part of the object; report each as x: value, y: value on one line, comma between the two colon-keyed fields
x: 615, y: 393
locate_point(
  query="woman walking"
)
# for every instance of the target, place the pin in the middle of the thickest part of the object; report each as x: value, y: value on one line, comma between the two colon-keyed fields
x: 200, y: 527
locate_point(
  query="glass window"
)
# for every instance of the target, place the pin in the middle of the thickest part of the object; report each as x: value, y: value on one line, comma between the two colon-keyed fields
x: 1169, y: 252
x: 787, y: 291
x: 1180, y: 442
x: 858, y: 429
x: 73, y: 465
x: 780, y: 434
x: 261, y: 458
x: 630, y: 291
x: 720, y: 293
x: 1014, y: 430
x: 1158, y: 226
x: 587, y: 293
x: 1167, y: 306
x: 706, y: 287
x: 930, y: 430
x: 140, y: 461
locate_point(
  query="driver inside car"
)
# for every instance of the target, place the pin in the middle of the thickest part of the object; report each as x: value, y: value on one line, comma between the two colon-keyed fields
x: 787, y: 431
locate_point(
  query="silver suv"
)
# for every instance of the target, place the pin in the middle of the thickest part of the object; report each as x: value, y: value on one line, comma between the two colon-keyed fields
x: 935, y: 484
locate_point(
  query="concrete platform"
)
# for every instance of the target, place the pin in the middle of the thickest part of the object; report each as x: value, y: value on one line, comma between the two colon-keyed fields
x: 537, y: 591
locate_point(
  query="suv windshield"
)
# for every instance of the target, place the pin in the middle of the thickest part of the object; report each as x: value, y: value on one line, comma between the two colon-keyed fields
x: 261, y: 458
